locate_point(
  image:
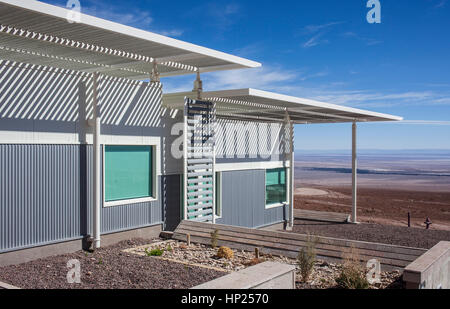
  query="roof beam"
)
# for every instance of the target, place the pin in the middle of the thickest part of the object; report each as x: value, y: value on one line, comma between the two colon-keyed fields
x: 68, y: 43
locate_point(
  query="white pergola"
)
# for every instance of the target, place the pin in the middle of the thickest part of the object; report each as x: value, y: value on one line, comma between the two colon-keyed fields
x: 262, y: 106
x: 41, y: 34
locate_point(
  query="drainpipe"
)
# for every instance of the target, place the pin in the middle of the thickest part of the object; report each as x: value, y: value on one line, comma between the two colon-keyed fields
x: 96, y: 164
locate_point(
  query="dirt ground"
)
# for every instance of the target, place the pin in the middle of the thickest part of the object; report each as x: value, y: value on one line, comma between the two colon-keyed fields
x: 386, y: 234
x: 107, y: 268
x: 381, y: 206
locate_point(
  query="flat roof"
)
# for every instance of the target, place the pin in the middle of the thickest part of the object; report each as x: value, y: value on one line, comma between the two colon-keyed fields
x: 252, y: 104
x: 39, y: 33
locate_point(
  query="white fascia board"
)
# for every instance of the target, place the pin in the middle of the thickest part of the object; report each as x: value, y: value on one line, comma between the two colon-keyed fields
x: 286, y: 98
x: 296, y: 100
x: 48, y: 9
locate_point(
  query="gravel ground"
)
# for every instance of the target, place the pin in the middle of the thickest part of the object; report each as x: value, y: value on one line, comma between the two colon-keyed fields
x: 108, y: 268
x: 322, y: 277
x: 387, y: 234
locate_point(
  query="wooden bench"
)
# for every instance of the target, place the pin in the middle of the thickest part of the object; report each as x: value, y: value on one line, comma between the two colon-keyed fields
x: 323, y: 216
x: 289, y: 244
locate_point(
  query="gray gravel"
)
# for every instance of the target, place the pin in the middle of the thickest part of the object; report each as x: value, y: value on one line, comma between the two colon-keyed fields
x: 108, y: 268
x: 387, y: 234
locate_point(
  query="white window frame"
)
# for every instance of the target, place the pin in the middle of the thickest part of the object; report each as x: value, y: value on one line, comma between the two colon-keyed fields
x: 275, y: 205
x: 154, y: 175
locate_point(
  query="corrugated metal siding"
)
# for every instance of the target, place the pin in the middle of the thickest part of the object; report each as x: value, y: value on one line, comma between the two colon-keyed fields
x: 171, y: 199
x: 241, y: 141
x: 46, y: 197
x: 40, y: 194
x: 243, y: 200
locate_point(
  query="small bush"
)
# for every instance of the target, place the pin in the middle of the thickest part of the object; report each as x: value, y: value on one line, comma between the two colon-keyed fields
x: 225, y: 252
x: 214, y: 238
x: 353, y: 273
x: 306, y: 259
x: 154, y: 252
x: 253, y: 262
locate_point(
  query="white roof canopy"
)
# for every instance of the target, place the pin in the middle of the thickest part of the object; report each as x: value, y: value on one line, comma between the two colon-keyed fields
x: 257, y: 105
x: 39, y: 33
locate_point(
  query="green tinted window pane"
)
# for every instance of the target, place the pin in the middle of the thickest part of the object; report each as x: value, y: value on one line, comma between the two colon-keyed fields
x: 275, y: 186
x: 128, y: 172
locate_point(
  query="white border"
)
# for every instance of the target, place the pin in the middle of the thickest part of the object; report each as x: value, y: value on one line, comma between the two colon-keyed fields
x: 276, y: 205
x: 136, y: 200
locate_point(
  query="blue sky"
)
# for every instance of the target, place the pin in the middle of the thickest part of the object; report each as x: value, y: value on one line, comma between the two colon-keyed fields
x: 324, y: 50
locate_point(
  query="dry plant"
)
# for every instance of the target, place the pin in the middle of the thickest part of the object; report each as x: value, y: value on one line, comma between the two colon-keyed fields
x: 353, y: 273
x: 214, y: 238
x: 225, y: 253
x: 307, y: 257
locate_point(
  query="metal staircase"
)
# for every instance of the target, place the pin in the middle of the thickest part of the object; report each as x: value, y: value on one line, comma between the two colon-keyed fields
x: 199, y: 161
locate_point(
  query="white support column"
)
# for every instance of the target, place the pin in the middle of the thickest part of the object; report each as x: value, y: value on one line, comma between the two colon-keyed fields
x: 290, y: 180
x: 212, y: 134
x: 354, y: 175
x: 185, y: 165
x: 97, y: 163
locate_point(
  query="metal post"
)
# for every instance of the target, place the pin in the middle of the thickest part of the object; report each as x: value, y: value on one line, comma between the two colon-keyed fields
x: 291, y: 174
x: 290, y: 179
x: 96, y: 165
x: 185, y: 158
x: 198, y: 86
x: 354, y: 175
x: 212, y: 137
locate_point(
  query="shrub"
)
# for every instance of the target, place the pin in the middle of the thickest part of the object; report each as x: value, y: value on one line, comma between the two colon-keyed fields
x: 225, y: 252
x: 253, y: 262
x: 306, y: 259
x: 353, y: 273
x: 214, y: 238
x: 154, y: 252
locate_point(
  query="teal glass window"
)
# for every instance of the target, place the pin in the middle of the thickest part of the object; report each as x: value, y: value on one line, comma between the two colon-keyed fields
x: 275, y: 186
x: 128, y: 172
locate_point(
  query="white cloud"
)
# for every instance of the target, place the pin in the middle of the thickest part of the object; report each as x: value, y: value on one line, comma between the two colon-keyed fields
x: 367, y: 41
x: 314, y: 41
x: 425, y: 122
x: 264, y: 78
x: 171, y: 33
x: 365, y: 98
x: 440, y: 4
x: 309, y: 29
x: 141, y: 19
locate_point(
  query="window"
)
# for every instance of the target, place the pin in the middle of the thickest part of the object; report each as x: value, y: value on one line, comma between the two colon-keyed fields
x: 275, y: 187
x: 128, y: 173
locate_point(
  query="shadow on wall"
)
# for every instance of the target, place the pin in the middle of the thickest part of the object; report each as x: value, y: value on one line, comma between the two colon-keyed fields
x: 44, y: 99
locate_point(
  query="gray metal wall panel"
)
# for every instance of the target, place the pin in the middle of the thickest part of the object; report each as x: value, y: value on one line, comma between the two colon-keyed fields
x: 40, y: 200
x: 46, y: 197
x: 171, y: 200
x: 243, y: 200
